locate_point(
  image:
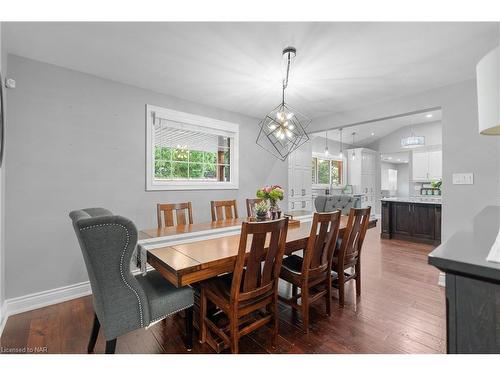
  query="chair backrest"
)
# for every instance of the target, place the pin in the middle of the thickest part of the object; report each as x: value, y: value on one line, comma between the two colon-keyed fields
x: 320, y: 247
x: 263, y: 262
x: 168, y: 214
x: 107, y: 242
x: 222, y: 210
x: 330, y: 203
x: 251, y: 202
x: 353, y: 237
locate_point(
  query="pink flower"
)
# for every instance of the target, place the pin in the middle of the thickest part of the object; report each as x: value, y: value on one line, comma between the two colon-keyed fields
x: 267, y: 189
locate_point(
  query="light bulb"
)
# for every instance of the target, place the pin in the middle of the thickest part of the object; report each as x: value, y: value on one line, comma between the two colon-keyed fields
x: 326, y: 151
x: 285, y: 124
x: 341, y: 155
x: 272, y: 126
x: 280, y: 116
x: 291, y: 126
x: 289, y: 115
x: 288, y: 133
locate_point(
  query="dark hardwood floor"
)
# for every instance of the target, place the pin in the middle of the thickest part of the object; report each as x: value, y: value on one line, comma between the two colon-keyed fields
x: 401, y: 310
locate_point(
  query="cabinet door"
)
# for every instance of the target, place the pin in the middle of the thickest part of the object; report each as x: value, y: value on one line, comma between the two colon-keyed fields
x: 420, y: 166
x: 435, y: 165
x: 423, y: 221
x: 402, y: 223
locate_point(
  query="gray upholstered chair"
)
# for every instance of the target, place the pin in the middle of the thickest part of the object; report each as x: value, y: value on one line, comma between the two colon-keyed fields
x: 331, y: 203
x: 123, y: 302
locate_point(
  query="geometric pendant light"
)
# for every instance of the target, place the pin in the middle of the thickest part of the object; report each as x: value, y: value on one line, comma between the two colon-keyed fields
x: 283, y: 130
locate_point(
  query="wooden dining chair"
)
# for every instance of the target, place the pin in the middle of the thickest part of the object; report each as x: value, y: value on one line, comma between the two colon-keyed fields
x: 346, y: 263
x: 168, y: 214
x: 249, y: 297
x: 222, y: 210
x: 251, y: 202
x: 312, y: 273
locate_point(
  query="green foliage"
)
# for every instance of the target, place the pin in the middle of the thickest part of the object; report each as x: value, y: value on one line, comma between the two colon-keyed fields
x: 180, y: 170
x: 163, y: 169
x: 210, y: 157
x: 196, y: 156
x: 209, y: 171
x: 324, y: 172
x: 195, y: 170
x: 261, y: 208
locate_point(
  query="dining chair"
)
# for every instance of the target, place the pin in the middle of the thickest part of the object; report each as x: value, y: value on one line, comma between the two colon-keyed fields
x: 222, y: 210
x: 123, y: 302
x: 346, y: 262
x: 312, y: 272
x: 252, y: 287
x: 251, y: 202
x: 167, y: 209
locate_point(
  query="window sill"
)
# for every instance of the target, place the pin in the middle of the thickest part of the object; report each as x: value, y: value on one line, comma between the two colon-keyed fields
x: 184, y: 185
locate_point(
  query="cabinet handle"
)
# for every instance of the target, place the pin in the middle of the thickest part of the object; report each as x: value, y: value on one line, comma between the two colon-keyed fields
x: 292, y: 192
x: 293, y: 205
x: 409, y: 208
x: 303, y: 204
x: 303, y: 192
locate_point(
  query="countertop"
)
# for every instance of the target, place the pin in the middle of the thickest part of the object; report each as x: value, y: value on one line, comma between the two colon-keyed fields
x: 466, y: 251
x: 425, y: 200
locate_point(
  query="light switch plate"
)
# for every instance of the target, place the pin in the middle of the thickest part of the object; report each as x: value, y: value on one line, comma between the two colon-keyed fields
x: 463, y: 178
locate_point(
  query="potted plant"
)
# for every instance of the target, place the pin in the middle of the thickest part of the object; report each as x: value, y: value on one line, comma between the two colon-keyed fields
x: 272, y: 194
x: 436, y: 185
x: 261, y: 209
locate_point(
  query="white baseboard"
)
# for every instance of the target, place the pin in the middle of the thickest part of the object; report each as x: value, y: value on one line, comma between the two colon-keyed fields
x: 442, y: 279
x: 38, y: 300
x: 3, y: 317
x: 48, y: 297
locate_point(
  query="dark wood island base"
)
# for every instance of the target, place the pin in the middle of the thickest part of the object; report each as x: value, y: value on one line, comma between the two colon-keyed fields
x: 411, y: 221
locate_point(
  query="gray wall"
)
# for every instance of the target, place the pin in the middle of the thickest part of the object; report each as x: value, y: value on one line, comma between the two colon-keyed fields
x: 75, y: 140
x: 2, y: 247
x: 464, y: 149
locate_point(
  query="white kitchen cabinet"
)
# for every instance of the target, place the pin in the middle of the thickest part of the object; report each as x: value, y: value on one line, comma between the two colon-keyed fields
x: 361, y: 174
x: 435, y: 165
x: 299, y: 190
x: 427, y: 165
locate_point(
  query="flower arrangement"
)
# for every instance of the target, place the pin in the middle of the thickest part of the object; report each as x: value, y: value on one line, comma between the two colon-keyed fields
x: 272, y: 193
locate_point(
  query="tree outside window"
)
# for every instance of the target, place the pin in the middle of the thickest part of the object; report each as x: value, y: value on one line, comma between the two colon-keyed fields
x: 327, y: 171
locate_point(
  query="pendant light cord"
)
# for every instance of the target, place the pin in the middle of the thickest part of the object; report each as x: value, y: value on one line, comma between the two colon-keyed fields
x: 285, y: 80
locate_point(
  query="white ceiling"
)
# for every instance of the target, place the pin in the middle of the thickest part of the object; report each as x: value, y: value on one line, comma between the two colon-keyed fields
x: 237, y: 66
x: 371, y: 132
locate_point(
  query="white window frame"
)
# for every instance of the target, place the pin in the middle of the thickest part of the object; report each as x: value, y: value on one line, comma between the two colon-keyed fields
x: 335, y: 158
x: 198, y: 121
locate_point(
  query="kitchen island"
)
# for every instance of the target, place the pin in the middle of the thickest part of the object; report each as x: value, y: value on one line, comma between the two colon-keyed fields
x: 416, y: 219
x: 472, y: 285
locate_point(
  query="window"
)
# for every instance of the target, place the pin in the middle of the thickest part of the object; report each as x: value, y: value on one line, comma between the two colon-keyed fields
x: 186, y: 151
x: 326, y: 171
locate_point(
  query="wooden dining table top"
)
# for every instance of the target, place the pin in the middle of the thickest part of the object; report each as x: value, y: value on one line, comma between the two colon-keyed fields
x: 198, y: 259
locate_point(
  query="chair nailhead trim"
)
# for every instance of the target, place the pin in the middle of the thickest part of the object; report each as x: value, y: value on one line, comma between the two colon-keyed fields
x: 167, y: 315
x: 121, y: 262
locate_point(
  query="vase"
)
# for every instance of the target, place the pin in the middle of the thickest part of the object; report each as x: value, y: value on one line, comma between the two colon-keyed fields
x: 261, y: 216
x: 274, y: 209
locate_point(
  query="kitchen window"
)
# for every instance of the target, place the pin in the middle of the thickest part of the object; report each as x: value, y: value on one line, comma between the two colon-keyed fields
x: 327, y: 171
x: 187, y: 152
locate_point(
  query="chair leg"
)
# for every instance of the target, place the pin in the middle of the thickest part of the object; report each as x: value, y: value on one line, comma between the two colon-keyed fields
x: 341, y: 290
x: 276, y: 320
x: 328, y: 296
x: 110, y: 346
x: 93, y: 336
x: 304, y: 301
x: 189, y: 328
x: 203, y: 314
x: 233, y: 328
x: 358, y: 279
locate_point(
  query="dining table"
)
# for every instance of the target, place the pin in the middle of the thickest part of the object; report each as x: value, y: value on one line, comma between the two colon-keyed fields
x: 188, y: 254
x: 191, y: 253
